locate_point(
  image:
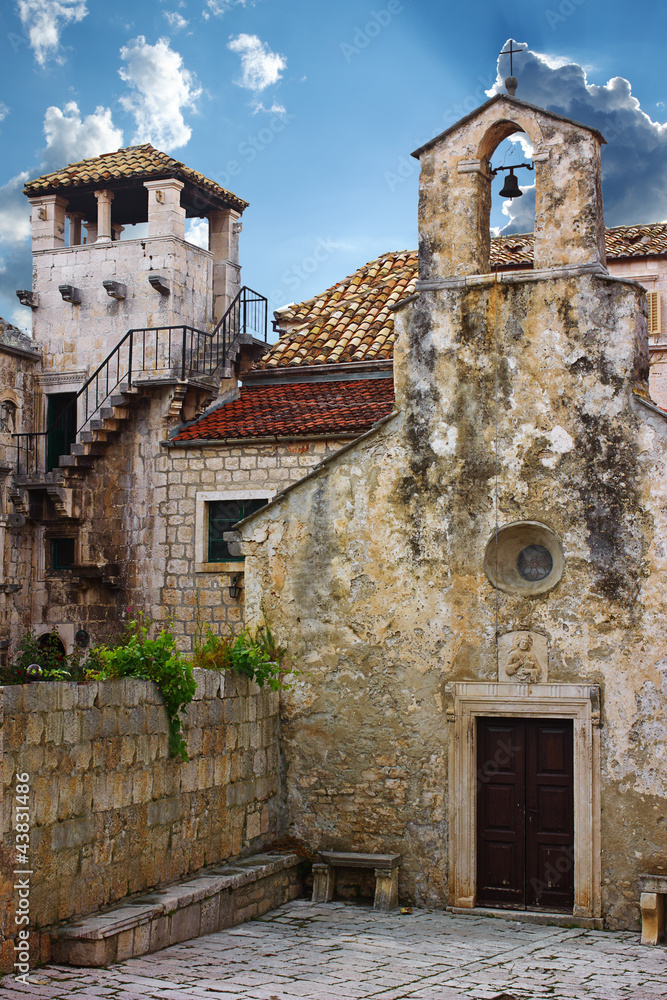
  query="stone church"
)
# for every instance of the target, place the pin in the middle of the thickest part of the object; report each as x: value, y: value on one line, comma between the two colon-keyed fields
x: 442, y: 486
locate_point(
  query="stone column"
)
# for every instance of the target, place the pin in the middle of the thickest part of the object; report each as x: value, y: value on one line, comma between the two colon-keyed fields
x: 386, y: 889
x: 91, y: 232
x: 116, y: 231
x: 223, y: 242
x: 104, y: 199
x: 75, y: 220
x: 324, y: 883
x: 48, y: 222
x: 165, y: 215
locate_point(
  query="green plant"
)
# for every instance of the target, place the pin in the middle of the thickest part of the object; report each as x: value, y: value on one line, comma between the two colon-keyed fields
x: 254, y: 654
x: 45, y: 651
x: 157, y: 660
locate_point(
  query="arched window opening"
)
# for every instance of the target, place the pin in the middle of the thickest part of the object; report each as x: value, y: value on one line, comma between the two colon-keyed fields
x: 51, y: 643
x: 515, y: 215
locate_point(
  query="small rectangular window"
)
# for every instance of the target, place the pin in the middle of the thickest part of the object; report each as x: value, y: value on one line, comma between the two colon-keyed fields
x: 222, y: 516
x: 62, y: 553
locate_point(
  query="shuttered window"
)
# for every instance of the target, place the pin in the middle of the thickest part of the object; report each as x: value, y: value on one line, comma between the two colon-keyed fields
x: 654, y: 322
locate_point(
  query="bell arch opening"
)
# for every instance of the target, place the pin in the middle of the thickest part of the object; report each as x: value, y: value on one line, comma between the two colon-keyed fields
x: 506, y: 203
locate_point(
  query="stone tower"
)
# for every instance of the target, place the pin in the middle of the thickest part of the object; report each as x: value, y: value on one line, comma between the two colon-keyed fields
x: 90, y: 287
x: 135, y: 334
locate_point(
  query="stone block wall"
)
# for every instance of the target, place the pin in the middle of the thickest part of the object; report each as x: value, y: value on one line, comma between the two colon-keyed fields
x: 110, y: 813
x: 75, y: 337
x: 143, y: 512
x: 192, y: 586
x: 19, y: 361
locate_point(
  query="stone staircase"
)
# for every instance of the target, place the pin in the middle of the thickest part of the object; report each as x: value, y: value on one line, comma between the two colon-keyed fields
x: 103, y: 429
x: 217, y: 897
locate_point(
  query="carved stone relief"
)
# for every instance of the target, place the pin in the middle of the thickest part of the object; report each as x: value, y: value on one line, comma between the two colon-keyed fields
x: 522, y: 658
x: 7, y: 416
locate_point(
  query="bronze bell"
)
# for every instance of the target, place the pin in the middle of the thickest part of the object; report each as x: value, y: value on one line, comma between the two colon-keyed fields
x: 511, y: 188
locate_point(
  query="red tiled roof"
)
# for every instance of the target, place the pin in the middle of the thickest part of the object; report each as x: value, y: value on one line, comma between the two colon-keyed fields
x: 352, y: 320
x: 294, y: 410
x: 130, y: 162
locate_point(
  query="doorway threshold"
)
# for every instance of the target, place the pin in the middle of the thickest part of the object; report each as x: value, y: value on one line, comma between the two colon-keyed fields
x: 556, y: 919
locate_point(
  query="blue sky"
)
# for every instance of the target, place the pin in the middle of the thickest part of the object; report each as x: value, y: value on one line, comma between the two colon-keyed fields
x: 310, y: 110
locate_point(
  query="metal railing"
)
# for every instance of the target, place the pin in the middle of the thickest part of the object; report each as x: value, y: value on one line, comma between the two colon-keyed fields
x: 178, y: 352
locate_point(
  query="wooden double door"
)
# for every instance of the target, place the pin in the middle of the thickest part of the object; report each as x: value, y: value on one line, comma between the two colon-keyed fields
x: 525, y: 813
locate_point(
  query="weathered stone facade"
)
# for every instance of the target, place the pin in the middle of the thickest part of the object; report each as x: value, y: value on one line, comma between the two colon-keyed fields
x: 652, y: 275
x: 389, y: 564
x: 19, y: 363
x: 520, y: 402
x: 112, y: 814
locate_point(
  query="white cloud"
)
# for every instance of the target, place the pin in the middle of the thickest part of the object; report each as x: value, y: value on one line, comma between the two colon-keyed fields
x: 163, y: 87
x: 4, y: 111
x: 260, y: 67
x: 634, y: 163
x: 276, y: 109
x: 44, y: 19
x: 14, y: 210
x: 15, y: 263
x: 176, y: 21
x: 22, y: 318
x: 197, y: 233
x: 520, y: 212
x: 70, y: 138
x: 217, y: 8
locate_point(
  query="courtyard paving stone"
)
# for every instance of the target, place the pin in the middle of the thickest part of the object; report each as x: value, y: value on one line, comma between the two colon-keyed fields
x: 335, y: 951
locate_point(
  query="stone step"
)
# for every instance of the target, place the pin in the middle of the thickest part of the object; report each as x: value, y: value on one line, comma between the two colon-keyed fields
x: 107, y: 426
x: 116, y: 413
x: 118, y: 399
x: 75, y: 462
x: 216, y: 897
x: 86, y: 449
x: 93, y: 436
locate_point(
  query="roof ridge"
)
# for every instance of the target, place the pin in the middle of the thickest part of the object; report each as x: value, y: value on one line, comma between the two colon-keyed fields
x: 126, y: 163
x: 345, y: 282
x: 351, y: 320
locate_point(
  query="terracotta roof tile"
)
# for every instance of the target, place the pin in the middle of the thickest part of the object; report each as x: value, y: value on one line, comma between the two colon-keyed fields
x: 293, y: 410
x: 352, y: 320
x: 131, y: 162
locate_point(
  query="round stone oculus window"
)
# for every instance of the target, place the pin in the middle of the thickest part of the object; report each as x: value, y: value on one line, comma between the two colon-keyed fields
x: 534, y: 562
x: 524, y: 559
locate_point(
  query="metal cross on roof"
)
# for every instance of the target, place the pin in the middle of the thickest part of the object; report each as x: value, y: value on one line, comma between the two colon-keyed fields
x: 510, y: 52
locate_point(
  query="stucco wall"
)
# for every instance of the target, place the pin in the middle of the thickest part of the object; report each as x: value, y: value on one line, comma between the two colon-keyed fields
x: 110, y: 813
x: 516, y: 405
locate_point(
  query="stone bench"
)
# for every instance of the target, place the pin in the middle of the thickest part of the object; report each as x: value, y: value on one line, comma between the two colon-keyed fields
x: 386, y: 875
x: 214, y: 898
x: 653, y: 889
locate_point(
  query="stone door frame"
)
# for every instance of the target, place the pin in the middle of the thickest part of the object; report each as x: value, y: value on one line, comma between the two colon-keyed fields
x: 579, y: 702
